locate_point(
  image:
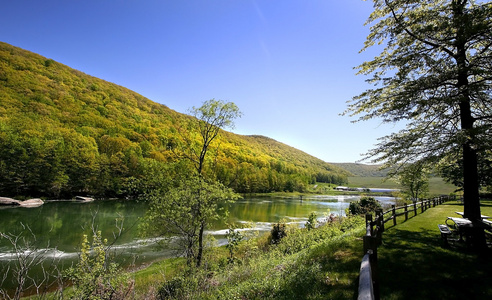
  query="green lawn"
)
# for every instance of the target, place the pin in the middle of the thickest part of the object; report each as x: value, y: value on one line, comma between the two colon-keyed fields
x: 437, y: 186
x: 413, y: 264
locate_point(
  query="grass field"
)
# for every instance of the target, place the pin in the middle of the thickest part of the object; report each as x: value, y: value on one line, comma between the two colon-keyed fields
x: 437, y: 186
x: 414, y: 264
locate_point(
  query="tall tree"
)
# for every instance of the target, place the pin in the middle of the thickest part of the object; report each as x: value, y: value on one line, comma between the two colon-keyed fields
x: 435, y: 73
x: 414, y: 179
x: 452, y: 169
x: 211, y: 117
x: 187, y: 209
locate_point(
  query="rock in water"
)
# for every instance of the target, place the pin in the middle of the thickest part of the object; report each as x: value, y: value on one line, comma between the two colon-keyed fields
x: 9, y: 201
x: 32, y: 203
x: 84, y: 199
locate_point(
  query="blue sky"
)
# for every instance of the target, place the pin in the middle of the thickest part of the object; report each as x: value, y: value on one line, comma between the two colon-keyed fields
x: 288, y: 65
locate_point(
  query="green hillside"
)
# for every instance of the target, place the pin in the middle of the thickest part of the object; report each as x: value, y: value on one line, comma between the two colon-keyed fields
x: 63, y: 132
x: 362, y: 170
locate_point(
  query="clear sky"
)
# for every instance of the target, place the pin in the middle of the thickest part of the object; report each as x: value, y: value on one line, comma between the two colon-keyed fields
x: 287, y: 64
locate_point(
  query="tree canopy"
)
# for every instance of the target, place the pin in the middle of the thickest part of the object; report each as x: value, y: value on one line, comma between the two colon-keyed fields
x: 435, y: 74
x: 414, y: 178
x: 212, y: 116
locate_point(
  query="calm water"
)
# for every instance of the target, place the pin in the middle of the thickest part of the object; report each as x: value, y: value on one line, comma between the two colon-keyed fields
x: 59, y: 225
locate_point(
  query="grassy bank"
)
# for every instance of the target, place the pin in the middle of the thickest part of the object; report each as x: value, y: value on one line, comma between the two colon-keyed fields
x: 322, y: 263
x: 437, y: 186
x: 413, y: 264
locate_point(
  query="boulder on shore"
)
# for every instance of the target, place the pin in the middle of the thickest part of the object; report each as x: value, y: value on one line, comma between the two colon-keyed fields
x: 84, y: 199
x: 9, y: 201
x: 32, y: 203
x: 27, y: 203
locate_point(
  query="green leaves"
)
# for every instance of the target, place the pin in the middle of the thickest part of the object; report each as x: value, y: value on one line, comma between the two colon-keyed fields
x: 180, y: 214
x: 416, y: 76
x: 435, y: 74
x: 415, y: 180
x: 95, y: 276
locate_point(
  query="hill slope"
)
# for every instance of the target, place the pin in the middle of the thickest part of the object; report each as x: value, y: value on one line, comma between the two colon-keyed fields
x: 362, y: 170
x: 63, y: 132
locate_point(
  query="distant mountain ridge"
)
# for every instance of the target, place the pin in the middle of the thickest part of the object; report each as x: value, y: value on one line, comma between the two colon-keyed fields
x: 63, y: 132
x: 363, y: 170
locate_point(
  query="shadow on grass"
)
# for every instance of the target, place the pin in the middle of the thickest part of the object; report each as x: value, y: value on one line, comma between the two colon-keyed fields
x: 415, y: 265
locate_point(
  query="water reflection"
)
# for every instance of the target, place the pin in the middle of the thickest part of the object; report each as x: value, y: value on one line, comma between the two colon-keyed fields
x: 58, y: 226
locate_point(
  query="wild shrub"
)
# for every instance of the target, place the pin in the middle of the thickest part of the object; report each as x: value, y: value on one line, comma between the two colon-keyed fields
x: 173, y: 288
x: 364, y: 205
x: 312, y: 221
x: 234, y: 238
x: 95, y: 276
x: 277, y: 233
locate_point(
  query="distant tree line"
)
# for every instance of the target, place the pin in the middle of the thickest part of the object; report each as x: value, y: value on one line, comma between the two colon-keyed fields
x: 60, y: 162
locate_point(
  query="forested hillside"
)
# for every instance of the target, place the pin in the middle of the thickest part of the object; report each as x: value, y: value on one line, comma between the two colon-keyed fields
x: 363, y: 170
x: 63, y: 132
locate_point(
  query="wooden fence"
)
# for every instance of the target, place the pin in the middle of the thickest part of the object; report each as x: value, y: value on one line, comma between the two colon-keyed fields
x: 368, y: 279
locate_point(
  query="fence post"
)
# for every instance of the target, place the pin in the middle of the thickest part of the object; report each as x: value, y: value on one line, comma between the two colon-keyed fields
x: 366, y: 285
x: 422, y: 206
x: 414, y: 208
x: 393, y: 211
x: 379, y: 226
x: 371, y: 248
x: 368, y: 239
x: 369, y: 224
x: 379, y: 213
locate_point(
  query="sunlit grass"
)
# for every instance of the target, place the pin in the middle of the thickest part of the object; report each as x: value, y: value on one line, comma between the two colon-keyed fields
x: 312, y: 264
x: 414, y: 264
x: 437, y: 186
x: 148, y: 279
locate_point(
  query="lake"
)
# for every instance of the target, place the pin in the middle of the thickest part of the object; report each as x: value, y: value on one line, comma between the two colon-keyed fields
x: 58, y: 226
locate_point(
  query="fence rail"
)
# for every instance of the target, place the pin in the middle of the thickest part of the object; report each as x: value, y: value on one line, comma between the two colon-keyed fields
x: 368, y: 279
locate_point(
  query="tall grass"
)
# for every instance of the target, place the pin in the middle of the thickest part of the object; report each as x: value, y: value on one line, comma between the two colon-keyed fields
x: 321, y: 263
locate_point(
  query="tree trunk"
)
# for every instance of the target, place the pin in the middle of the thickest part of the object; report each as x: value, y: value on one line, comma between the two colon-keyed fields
x: 200, y: 245
x: 471, y: 185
